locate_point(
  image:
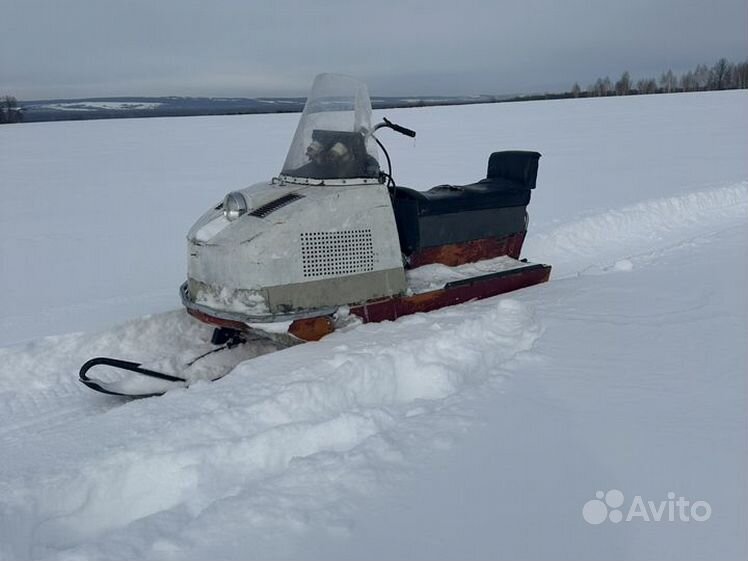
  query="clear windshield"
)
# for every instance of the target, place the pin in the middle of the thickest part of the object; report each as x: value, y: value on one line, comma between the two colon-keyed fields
x: 331, y: 141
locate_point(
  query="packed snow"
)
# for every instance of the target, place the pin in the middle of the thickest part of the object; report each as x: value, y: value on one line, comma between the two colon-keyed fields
x: 436, y: 276
x: 474, y: 432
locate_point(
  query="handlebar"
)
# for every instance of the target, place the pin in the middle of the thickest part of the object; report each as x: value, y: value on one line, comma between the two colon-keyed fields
x: 397, y: 128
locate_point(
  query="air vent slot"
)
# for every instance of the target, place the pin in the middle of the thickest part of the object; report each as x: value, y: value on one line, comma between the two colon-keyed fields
x: 272, y: 206
x: 333, y: 254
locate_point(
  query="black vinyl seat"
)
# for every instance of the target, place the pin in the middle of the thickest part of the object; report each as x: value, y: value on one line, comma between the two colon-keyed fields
x: 486, y: 193
x: 491, y: 207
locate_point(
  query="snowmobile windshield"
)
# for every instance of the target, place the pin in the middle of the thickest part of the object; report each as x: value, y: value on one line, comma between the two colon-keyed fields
x: 333, y: 139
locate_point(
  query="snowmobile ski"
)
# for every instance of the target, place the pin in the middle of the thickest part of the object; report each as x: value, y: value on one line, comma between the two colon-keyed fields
x: 225, y: 338
x: 113, y: 388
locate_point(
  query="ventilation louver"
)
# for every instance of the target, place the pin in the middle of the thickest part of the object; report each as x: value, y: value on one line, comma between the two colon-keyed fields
x: 272, y: 206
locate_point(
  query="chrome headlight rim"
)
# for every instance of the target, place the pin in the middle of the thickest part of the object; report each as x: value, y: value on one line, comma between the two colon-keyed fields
x: 234, y: 205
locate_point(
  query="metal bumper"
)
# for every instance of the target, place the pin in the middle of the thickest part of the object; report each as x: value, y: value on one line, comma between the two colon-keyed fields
x: 238, y: 320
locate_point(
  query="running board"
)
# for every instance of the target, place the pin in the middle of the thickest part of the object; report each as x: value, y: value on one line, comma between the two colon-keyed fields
x: 516, y: 275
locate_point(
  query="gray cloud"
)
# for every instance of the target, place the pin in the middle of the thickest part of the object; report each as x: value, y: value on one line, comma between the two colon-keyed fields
x: 73, y: 48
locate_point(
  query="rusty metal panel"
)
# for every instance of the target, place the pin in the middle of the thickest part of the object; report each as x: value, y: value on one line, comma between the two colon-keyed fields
x: 468, y: 252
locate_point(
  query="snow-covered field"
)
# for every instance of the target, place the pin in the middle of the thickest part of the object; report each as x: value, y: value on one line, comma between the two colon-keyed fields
x: 477, y: 432
x: 93, y: 105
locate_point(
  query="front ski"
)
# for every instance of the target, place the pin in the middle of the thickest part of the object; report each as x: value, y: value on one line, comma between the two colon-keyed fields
x: 116, y: 388
x: 149, y: 382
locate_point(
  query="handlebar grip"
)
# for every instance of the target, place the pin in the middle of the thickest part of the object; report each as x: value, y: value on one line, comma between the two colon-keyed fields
x: 398, y: 128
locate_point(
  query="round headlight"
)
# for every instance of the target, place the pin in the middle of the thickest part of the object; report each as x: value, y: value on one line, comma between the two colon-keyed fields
x: 234, y: 205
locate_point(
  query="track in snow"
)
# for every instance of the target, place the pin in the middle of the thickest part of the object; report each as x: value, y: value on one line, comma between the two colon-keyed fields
x: 600, y: 240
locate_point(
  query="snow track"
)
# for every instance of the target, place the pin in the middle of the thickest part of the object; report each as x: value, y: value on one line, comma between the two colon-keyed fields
x: 41, y: 391
x: 598, y: 241
x: 345, y: 404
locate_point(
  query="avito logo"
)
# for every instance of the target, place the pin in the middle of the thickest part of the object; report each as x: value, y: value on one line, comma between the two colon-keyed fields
x: 608, y: 506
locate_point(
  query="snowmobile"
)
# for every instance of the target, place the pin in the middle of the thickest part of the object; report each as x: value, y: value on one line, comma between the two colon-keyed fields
x: 333, y: 239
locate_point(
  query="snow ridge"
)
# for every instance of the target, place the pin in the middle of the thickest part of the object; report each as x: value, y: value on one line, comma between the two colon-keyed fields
x: 601, y: 239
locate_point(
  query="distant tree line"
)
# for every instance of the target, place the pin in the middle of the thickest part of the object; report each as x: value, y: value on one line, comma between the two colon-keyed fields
x: 723, y: 75
x: 10, y: 112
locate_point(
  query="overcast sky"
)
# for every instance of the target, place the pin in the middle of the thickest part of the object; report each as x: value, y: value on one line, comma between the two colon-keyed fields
x: 84, y: 48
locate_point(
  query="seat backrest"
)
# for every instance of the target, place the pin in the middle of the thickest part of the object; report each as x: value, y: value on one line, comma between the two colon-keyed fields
x: 515, y: 165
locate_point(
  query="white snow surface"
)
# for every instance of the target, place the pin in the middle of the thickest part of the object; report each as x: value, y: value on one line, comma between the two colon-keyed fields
x: 474, y: 432
x: 436, y: 276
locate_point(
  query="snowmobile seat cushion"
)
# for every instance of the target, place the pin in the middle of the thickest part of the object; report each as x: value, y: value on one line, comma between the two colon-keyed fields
x: 455, y: 215
x: 511, y: 175
x: 449, y: 214
x: 448, y: 199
